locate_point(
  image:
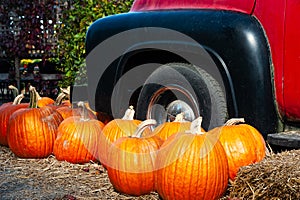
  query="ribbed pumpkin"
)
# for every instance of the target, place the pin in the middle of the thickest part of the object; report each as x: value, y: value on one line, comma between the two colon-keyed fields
x: 31, y: 131
x: 243, y: 144
x: 114, y: 130
x: 58, y: 101
x: 131, y: 168
x: 6, y: 110
x: 167, y: 129
x: 69, y: 111
x: 191, y: 165
x: 44, y: 101
x: 77, y: 138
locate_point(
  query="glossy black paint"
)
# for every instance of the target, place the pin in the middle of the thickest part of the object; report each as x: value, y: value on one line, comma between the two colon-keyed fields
x: 241, y: 50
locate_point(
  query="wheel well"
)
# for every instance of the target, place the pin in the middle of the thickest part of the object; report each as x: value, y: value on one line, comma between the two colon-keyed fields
x: 137, y: 58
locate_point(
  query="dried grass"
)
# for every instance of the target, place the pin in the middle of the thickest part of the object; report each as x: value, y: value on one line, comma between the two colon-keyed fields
x: 56, y: 180
x: 276, y: 177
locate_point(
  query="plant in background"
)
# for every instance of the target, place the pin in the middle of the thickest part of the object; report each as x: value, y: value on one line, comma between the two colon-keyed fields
x: 75, y: 21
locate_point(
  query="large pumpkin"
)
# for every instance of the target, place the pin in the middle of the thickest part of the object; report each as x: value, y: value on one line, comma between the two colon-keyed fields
x: 131, y: 169
x: 6, y: 110
x: 114, y: 130
x: 191, y: 165
x: 243, y: 144
x: 31, y: 131
x: 77, y: 138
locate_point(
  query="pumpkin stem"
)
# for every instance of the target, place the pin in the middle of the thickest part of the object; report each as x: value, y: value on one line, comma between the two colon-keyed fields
x: 18, y: 99
x: 84, y: 111
x: 15, y: 90
x: 179, y: 117
x: 234, y: 121
x: 142, y: 126
x: 59, y: 99
x: 195, y: 127
x: 38, y: 97
x: 34, y: 97
x: 66, y: 91
x: 129, y: 114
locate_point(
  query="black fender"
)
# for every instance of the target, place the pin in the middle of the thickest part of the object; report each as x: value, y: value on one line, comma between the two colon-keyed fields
x: 236, y: 41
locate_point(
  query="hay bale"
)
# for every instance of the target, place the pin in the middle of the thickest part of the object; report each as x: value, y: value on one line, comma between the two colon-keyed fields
x: 275, y: 177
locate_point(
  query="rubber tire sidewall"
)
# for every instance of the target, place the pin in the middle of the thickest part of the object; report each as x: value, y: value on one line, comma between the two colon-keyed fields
x: 206, y: 91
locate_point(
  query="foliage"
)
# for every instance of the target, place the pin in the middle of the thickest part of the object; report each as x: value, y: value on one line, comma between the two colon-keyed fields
x: 75, y: 21
x: 28, y: 26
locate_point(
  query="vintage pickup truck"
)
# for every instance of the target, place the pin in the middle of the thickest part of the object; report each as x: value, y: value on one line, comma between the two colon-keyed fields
x: 215, y: 58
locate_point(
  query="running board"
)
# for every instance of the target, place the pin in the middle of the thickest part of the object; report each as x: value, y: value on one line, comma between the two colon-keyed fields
x: 290, y: 139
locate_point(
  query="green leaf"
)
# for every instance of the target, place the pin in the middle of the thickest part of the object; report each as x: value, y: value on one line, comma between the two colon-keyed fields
x: 72, y: 31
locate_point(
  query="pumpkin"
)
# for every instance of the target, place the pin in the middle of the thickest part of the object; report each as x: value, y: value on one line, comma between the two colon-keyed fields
x: 77, y: 138
x: 31, y: 131
x: 167, y: 129
x: 115, y: 129
x: 60, y: 100
x: 131, y: 169
x: 6, y: 110
x: 44, y: 101
x: 69, y: 111
x: 191, y: 165
x: 243, y: 144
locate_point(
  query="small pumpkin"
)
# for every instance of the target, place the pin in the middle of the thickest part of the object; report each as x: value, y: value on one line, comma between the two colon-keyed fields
x: 31, y: 131
x: 60, y: 99
x: 44, y: 101
x: 115, y: 129
x: 6, y: 110
x: 167, y: 129
x: 70, y: 111
x: 243, y: 144
x: 191, y: 165
x: 131, y: 169
x: 77, y: 138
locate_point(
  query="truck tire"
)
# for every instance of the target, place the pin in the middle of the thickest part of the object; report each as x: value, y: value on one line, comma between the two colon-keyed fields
x: 178, y: 87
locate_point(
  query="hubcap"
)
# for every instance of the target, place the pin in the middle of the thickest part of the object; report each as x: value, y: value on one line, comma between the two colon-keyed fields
x: 166, y: 103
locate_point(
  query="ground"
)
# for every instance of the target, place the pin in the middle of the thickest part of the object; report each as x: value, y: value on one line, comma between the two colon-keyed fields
x: 277, y: 177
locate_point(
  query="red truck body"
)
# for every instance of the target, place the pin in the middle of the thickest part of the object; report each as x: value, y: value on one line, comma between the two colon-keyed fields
x: 280, y: 20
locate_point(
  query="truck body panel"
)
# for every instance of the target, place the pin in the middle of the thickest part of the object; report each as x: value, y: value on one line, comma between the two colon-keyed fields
x: 291, y: 71
x: 229, y: 34
x: 244, y: 6
x: 272, y: 21
x: 281, y: 24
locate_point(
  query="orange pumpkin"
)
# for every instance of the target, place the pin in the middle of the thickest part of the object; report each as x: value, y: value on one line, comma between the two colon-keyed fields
x: 114, y: 130
x: 191, y: 165
x: 67, y: 111
x: 44, y: 101
x: 59, y: 101
x: 131, y: 168
x: 31, y: 131
x: 243, y: 144
x: 167, y: 129
x: 77, y: 138
x: 6, y: 110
